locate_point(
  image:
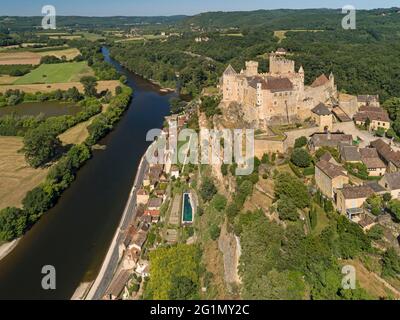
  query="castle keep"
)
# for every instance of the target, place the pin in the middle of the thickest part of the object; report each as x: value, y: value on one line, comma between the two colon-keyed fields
x: 278, y: 96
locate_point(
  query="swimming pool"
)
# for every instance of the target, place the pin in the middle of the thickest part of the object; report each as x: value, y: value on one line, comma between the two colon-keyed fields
x: 187, y: 209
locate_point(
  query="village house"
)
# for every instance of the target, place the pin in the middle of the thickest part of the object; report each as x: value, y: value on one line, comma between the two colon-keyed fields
x: 154, y: 204
x: 375, y: 166
x: 117, y: 286
x: 138, y: 241
x: 143, y: 269
x: 350, y: 200
x: 368, y: 100
x: 349, y: 154
x: 323, y: 117
x: 377, y: 117
x: 328, y: 158
x: 329, y: 178
x: 391, y: 182
x: 153, y: 209
x: 175, y: 173
x: 333, y: 140
x: 390, y: 157
x: 142, y: 197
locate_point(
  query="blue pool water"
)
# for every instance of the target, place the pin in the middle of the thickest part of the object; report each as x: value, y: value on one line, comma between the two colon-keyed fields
x: 187, y: 209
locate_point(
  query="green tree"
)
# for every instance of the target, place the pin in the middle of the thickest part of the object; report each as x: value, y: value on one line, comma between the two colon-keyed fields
x: 37, y: 201
x: 183, y: 288
x: 394, y: 208
x: 13, y: 223
x: 219, y: 202
x: 287, y: 285
x: 208, y: 189
x: 89, y: 83
x: 390, y: 263
x: 300, y: 142
x: 291, y: 187
x: 376, y: 233
x: 215, y: 232
x: 301, y: 158
x: 287, y: 209
x: 40, y: 146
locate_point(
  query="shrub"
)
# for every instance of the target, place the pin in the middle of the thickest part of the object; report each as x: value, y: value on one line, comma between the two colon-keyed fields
x: 215, y: 232
x: 287, y: 209
x: 13, y: 223
x: 300, y: 142
x: 208, y: 189
x: 301, y: 158
x: 219, y: 202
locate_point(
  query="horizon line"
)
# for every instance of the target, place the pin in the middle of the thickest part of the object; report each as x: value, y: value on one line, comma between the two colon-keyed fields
x: 199, y: 13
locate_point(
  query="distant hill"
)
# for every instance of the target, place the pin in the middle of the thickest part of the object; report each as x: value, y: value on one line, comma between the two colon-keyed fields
x: 21, y: 23
x: 282, y: 19
x: 288, y: 18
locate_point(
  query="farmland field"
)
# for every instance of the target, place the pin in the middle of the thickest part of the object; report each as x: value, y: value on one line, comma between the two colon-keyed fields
x: 54, y: 73
x: 24, y: 57
x: 32, y: 88
x: 69, y: 53
x: 16, y: 176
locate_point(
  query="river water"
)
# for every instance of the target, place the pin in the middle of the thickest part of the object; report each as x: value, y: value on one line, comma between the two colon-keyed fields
x: 74, y: 236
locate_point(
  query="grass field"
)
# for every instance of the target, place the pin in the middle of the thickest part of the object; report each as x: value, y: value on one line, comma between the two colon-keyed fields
x: 281, y: 34
x: 32, y: 88
x: 16, y: 176
x: 56, y: 73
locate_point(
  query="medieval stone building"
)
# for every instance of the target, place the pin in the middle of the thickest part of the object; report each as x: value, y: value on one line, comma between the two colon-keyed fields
x: 278, y: 96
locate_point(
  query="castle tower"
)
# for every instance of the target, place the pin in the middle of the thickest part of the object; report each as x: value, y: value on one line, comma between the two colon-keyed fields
x: 229, y: 84
x: 280, y: 65
x: 251, y: 68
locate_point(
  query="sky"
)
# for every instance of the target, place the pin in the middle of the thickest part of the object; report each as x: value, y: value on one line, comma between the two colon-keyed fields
x: 172, y: 7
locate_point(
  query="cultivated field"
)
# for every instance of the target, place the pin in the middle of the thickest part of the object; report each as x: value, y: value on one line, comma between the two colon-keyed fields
x: 7, y: 79
x: 56, y: 73
x: 77, y: 134
x: 32, y: 88
x: 16, y: 176
x: 70, y: 53
x: 24, y: 57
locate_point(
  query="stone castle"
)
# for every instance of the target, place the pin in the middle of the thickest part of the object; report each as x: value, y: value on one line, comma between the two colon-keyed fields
x: 277, y: 97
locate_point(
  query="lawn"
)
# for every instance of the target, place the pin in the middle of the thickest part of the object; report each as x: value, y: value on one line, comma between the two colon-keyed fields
x: 56, y: 73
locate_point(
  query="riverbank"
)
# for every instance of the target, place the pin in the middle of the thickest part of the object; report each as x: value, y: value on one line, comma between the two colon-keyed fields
x: 7, y: 247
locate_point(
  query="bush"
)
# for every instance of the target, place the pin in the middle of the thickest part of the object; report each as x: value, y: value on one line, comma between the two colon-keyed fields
x: 215, y: 232
x: 390, y: 263
x: 37, y: 201
x: 219, y: 202
x: 208, y: 190
x: 13, y: 223
x: 300, y: 142
x: 288, y: 186
x: 301, y: 158
x: 287, y: 210
x: 224, y: 169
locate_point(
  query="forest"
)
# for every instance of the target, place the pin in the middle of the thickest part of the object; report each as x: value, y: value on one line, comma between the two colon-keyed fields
x: 364, y: 61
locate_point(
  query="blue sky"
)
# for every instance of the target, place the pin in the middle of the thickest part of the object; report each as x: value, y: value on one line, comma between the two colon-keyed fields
x: 171, y: 7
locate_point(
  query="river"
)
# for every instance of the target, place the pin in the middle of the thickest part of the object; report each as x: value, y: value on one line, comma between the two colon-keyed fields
x: 74, y: 236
